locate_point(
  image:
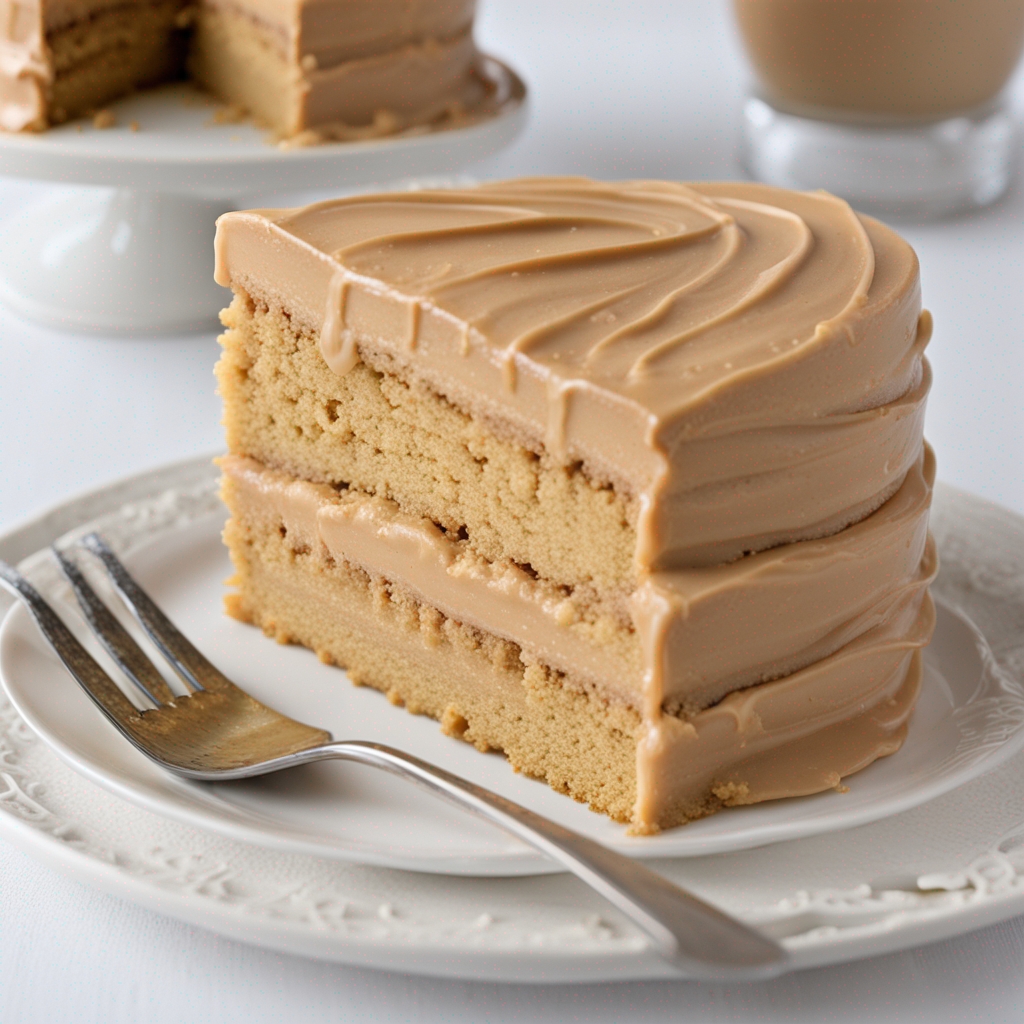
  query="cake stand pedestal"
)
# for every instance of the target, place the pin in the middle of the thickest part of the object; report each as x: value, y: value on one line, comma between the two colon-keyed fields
x: 132, y: 252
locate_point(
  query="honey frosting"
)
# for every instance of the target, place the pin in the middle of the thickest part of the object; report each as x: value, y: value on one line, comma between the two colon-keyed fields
x: 746, y: 361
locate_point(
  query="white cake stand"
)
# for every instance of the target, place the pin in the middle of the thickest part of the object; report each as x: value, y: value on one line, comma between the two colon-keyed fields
x: 136, y: 255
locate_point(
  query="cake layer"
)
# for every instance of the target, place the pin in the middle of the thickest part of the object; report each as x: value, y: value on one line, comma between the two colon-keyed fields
x: 793, y: 736
x: 743, y: 362
x: 372, y: 431
x: 704, y: 632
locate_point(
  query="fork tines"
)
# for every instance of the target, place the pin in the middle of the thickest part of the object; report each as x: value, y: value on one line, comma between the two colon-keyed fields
x: 195, y: 671
x: 104, y: 692
x: 117, y: 641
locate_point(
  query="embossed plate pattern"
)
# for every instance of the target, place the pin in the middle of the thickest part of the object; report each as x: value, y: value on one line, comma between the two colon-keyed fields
x: 953, y: 864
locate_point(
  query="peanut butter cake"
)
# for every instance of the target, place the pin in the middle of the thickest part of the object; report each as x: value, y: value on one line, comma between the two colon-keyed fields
x: 624, y: 480
x: 328, y: 66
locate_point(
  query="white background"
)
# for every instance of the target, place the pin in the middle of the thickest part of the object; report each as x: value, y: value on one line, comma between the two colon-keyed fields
x: 633, y: 88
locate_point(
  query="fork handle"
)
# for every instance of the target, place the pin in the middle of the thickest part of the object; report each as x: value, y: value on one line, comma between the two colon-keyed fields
x: 699, y: 940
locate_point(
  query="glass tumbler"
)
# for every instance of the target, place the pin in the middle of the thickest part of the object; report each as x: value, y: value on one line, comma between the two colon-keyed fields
x: 893, y: 104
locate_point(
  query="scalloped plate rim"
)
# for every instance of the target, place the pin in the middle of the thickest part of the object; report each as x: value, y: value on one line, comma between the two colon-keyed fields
x: 838, y: 946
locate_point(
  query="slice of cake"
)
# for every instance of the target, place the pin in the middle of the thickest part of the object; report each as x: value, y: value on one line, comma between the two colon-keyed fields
x: 298, y: 65
x: 624, y: 480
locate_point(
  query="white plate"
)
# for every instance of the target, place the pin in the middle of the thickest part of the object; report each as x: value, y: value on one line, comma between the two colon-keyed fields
x: 970, y: 718
x: 953, y: 864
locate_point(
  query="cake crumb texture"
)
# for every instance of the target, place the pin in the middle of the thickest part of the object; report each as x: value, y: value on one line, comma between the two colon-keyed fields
x: 397, y: 439
x: 732, y: 794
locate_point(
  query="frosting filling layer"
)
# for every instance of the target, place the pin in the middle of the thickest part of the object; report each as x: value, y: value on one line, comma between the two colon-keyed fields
x: 700, y: 633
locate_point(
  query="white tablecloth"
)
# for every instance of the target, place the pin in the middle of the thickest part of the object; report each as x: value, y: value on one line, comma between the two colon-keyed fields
x: 620, y: 89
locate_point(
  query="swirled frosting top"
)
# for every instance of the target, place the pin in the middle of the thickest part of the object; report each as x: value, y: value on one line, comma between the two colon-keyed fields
x: 677, y: 338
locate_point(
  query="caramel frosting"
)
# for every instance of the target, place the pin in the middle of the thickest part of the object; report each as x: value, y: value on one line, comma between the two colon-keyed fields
x: 792, y: 737
x: 24, y: 70
x: 329, y: 32
x: 358, y: 92
x: 709, y: 631
x: 746, y: 361
x: 882, y: 59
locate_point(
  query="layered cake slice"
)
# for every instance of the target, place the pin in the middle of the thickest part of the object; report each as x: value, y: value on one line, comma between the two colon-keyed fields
x: 316, y: 66
x: 624, y: 480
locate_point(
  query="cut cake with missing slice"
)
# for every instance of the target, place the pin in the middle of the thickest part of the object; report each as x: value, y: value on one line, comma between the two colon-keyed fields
x: 326, y: 68
x: 625, y: 480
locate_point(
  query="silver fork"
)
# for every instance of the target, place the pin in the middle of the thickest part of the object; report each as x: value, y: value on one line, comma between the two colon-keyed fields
x: 218, y: 732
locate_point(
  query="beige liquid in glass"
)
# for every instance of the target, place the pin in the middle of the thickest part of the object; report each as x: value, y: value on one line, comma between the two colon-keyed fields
x: 882, y: 60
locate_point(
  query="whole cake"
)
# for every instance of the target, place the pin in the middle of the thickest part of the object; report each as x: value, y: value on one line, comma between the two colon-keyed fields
x: 624, y: 480
x: 297, y: 65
